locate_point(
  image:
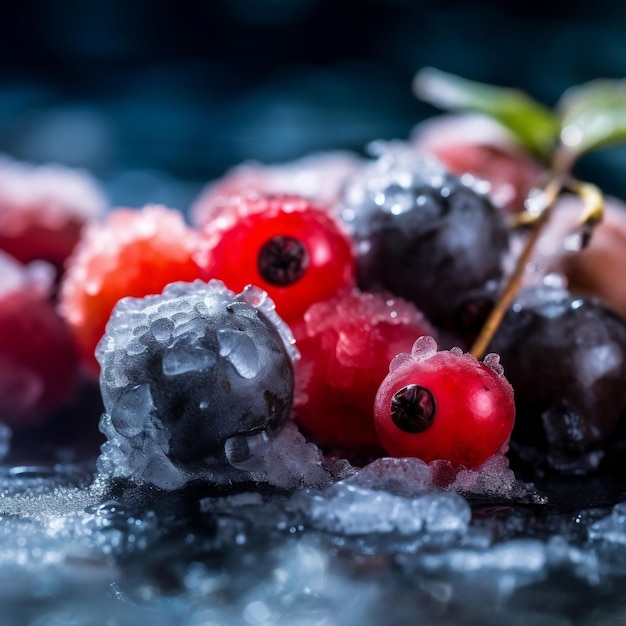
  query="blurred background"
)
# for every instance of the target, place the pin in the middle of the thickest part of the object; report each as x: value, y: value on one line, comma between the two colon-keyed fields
x: 156, y: 97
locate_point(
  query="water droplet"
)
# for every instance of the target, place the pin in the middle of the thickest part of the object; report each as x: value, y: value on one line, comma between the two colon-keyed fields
x: 131, y: 411
x: 183, y: 357
x: 239, y: 349
x: 424, y: 347
x: 162, y: 330
x: 492, y: 361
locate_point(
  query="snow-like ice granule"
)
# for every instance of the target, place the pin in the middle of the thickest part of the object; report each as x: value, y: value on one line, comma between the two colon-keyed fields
x: 347, y: 509
x: 612, y: 528
x: 410, y: 477
x: 407, y: 496
x: 71, y: 555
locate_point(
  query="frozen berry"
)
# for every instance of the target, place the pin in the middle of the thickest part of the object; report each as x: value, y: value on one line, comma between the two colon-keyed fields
x: 345, y: 350
x: 317, y: 177
x: 444, y: 405
x: 43, y: 210
x: 131, y: 253
x: 426, y: 236
x: 565, y: 356
x: 185, y: 371
x: 289, y: 247
x: 38, y: 360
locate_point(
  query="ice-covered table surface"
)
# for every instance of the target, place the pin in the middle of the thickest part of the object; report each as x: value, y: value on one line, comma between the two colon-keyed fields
x: 369, y: 549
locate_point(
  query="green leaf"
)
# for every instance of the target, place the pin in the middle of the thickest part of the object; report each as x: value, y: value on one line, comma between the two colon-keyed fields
x: 593, y: 115
x: 533, y: 124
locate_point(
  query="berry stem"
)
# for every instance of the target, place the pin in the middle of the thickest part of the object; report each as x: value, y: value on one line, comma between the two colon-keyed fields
x: 491, y: 325
x: 593, y: 211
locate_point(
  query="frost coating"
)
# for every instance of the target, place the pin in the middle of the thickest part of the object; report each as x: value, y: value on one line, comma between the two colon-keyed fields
x: 426, y: 346
x: 316, y: 176
x: 428, y: 236
x: 53, y: 194
x: 196, y: 382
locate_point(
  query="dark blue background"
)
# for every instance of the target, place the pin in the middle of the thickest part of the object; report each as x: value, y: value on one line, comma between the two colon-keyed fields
x: 156, y: 97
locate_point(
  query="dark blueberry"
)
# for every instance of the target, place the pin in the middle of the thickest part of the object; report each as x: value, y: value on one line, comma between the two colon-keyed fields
x: 427, y: 236
x: 565, y: 356
x: 193, y: 367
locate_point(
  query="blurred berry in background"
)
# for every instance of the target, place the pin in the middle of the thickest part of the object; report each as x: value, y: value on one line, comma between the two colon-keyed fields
x: 156, y: 97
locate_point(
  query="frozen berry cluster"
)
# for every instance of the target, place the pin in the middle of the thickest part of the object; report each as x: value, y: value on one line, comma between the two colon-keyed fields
x: 340, y: 295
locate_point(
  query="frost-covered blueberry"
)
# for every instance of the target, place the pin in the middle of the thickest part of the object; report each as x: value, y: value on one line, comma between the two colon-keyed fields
x: 188, y: 373
x: 425, y: 235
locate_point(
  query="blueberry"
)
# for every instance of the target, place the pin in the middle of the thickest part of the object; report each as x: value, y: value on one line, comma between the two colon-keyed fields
x: 565, y: 356
x: 185, y: 371
x: 433, y: 238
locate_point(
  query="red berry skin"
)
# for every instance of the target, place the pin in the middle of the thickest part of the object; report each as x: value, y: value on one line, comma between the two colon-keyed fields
x: 132, y: 252
x: 473, y: 408
x: 345, y: 348
x: 38, y: 360
x: 43, y: 210
x: 239, y: 229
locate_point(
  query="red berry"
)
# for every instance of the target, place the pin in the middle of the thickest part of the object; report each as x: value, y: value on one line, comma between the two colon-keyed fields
x: 286, y: 245
x: 38, y: 361
x: 344, y: 355
x: 131, y: 253
x: 444, y: 405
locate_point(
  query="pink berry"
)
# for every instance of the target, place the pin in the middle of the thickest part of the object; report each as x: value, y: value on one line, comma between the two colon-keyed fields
x: 38, y: 360
x: 43, y: 210
x: 345, y: 349
x: 317, y: 176
x: 444, y: 405
x: 596, y: 270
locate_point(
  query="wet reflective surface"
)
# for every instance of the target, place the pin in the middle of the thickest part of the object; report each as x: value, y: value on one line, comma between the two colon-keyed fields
x: 372, y: 547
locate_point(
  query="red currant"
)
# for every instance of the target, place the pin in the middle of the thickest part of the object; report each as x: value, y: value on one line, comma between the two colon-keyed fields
x: 444, y: 405
x: 286, y: 245
x: 131, y: 253
x: 345, y: 350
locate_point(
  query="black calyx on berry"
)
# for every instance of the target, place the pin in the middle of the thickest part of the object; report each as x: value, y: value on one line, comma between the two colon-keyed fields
x: 282, y: 260
x: 413, y: 408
